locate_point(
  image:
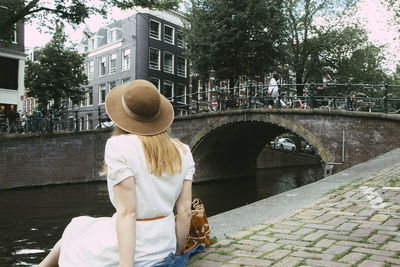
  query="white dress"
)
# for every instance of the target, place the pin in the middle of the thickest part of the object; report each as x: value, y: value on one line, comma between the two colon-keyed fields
x: 89, y: 241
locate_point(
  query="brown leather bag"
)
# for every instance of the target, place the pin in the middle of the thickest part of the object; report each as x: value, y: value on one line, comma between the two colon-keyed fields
x: 199, y: 232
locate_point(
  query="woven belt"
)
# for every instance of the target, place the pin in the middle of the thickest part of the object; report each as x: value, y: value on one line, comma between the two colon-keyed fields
x: 152, y: 219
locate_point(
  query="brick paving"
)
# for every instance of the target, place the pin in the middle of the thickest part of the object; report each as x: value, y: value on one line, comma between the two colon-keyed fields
x: 355, y: 225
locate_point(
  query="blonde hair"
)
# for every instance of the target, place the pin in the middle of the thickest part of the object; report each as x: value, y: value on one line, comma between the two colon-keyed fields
x: 161, y: 153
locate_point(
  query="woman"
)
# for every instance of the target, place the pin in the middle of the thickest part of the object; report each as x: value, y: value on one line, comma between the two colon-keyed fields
x: 147, y: 174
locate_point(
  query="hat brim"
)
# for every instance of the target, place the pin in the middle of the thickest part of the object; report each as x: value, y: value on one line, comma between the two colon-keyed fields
x: 124, y: 121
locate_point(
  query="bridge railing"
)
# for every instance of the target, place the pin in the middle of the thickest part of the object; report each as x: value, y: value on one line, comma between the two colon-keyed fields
x: 329, y: 96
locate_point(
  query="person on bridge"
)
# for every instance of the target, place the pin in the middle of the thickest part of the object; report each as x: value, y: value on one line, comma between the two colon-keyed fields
x: 148, y: 173
x: 273, y: 91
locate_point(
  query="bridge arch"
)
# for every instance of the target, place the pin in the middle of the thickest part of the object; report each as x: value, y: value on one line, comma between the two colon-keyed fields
x: 230, y: 145
x: 274, y: 120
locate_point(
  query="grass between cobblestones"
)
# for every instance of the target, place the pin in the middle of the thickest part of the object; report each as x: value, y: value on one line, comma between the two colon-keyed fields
x: 351, y: 225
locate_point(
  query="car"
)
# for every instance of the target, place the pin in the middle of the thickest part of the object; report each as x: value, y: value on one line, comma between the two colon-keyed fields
x: 285, y: 144
x: 105, y: 124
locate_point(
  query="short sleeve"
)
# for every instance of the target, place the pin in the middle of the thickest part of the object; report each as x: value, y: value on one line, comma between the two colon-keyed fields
x: 116, y: 161
x: 191, y: 167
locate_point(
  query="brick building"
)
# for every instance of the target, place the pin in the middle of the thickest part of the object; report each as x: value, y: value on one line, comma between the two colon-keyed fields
x: 146, y: 45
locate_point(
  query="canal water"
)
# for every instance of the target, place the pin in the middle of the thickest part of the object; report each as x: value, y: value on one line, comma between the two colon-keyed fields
x: 33, y: 219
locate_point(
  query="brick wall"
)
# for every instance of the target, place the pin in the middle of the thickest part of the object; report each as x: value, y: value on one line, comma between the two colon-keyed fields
x: 51, y: 159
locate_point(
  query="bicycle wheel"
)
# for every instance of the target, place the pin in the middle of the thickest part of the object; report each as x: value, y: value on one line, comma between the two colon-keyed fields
x: 340, y: 102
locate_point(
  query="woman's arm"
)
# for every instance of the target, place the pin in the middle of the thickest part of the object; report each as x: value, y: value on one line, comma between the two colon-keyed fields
x: 126, y: 221
x: 184, y: 215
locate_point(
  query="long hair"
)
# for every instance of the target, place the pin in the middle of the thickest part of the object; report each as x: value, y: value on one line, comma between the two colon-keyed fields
x: 162, y: 154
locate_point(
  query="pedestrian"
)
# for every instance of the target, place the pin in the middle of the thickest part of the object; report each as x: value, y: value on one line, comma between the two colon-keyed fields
x: 273, y: 91
x: 148, y: 173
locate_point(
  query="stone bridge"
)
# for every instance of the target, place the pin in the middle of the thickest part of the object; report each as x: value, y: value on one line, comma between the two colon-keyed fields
x: 228, y: 143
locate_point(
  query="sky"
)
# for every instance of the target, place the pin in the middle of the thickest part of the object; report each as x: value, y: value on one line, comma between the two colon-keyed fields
x: 372, y: 12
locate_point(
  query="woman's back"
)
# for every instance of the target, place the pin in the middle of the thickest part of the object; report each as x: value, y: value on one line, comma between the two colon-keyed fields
x: 155, y: 196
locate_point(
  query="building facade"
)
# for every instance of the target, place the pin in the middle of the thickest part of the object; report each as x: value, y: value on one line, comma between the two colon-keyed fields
x: 12, y: 64
x: 145, y: 45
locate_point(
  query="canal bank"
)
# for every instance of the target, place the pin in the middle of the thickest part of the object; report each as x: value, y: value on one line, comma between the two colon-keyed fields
x: 351, y: 217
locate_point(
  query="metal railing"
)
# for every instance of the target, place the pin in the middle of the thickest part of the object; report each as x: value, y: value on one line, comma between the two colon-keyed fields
x: 325, y: 96
x: 328, y: 96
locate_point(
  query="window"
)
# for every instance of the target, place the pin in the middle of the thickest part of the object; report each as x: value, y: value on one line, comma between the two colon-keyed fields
x: 156, y: 82
x: 125, y: 81
x: 154, y: 59
x: 102, y: 66
x: 91, y: 70
x: 169, y: 34
x: 89, y: 97
x: 92, y: 43
x: 81, y: 123
x: 155, y: 29
x: 168, y: 62
x: 89, y: 118
x: 179, y: 39
x: 181, y: 68
x: 126, y: 59
x: 102, y: 93
x: 113, y: 63
x: 113, y: 35
x: 180, y: 93
x: 111, y: 85
x: 168, y: 90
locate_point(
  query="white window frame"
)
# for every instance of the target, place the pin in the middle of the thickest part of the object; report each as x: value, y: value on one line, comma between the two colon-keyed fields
x: 87, y: 97
x: 179, y: 41
x: 151, y: 64
x: 178, y: 71
x: 151, y: 79
x: 125, y: 81
x: 102, y: 60
x: 89, y: 120
x: 102, y: 101
x: 111, y: 69
x: 90, y: 69
x: 169, y: 39
x: 81, y: 123
x: 126, y: 59
x: 184, y: 93
x: 151, y: 34
x: 111, y: 85
x: 172, y: 89
x: 169, y: 69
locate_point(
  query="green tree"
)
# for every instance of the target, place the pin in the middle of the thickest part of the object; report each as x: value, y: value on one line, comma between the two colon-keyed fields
x: 233, y: 37
x: 301, y: 18
x: 57, y: 75
x: 346, y: 55
x: 70, y: 11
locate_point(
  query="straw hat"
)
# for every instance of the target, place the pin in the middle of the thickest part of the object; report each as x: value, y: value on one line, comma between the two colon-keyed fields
x: 139, y: 108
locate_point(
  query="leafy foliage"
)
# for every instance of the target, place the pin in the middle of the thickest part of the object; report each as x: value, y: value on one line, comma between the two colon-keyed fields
x: 57, y: 74
x: 301, y: 16
x: 233, y: 37
x: 71, y: 11
x: 345, y: 54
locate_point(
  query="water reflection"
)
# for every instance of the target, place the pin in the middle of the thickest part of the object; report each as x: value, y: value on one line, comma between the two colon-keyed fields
x: 32, y: 220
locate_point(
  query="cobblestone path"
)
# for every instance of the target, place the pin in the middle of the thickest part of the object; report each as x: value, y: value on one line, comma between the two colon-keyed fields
x: 356, y: 225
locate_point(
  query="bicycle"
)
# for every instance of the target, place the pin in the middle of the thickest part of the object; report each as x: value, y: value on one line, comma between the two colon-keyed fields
x: 4, y: 126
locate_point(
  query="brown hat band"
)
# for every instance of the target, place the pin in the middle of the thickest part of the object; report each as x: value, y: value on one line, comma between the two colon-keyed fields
x: 138, y: 117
